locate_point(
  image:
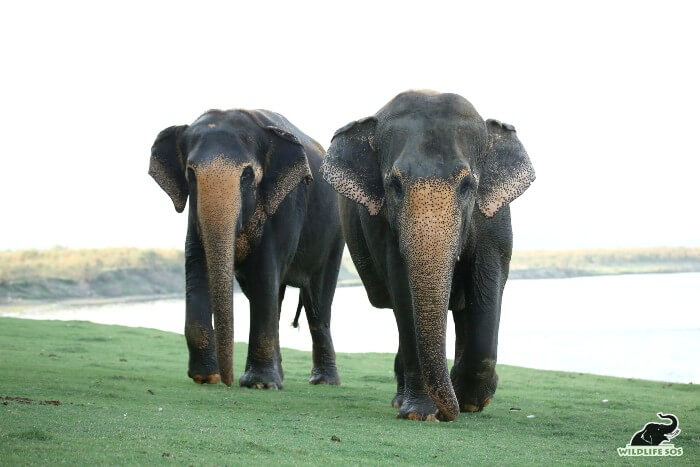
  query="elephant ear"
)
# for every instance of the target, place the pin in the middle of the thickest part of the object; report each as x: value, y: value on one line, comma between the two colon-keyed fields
x: 286, y: 166
x: 507, y: 171
x: 351, y: 165
x: 167, y: 165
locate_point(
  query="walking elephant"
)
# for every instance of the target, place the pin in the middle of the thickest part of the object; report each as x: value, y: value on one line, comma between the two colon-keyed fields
x: 425, y: 186
x: 255, y: 214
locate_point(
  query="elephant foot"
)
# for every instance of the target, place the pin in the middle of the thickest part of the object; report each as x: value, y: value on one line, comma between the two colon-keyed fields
x: 475, y: 408
x: 202, y: 367
x: 325, y: 375
x: 419, y: 407
x: 474, y: 392
x: 261, y: 378
x: 213, y: 378
x: 204, y: 373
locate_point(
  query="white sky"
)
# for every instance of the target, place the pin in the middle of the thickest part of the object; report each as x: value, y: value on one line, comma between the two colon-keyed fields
x: 604, y: 96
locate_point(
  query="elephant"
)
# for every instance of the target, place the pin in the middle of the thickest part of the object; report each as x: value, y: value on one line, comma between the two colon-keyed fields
x: 654, y: 434
x: 424, y: 190
x: 258, y: 211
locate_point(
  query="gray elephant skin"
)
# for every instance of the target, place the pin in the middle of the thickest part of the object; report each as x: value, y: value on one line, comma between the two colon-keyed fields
x: 259, y: 211
x: 425, y: 188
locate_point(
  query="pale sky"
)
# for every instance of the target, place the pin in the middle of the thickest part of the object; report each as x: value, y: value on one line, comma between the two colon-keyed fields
x: 604, y: 96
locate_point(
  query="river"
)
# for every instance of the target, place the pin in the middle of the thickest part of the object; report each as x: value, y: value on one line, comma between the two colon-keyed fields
x: 635, y: 326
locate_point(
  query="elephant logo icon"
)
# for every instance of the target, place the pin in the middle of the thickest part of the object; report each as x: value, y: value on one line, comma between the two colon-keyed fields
x: 653, y: 439
x: 654, y: 434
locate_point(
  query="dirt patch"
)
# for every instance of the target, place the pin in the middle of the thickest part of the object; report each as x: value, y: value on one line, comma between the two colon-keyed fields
x: 21, y: 400
x: 26, y: 400
x: 50, y: 402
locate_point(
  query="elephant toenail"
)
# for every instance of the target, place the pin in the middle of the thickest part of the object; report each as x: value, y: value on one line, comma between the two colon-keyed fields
x: 214, y: 378
x: 198, y: 379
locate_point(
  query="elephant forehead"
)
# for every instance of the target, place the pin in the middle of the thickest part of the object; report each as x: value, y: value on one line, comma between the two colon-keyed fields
x: 411, y: 102
x: 416, y: 140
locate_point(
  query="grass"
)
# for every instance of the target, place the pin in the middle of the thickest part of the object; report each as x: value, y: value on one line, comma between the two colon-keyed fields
x: 125, y: 399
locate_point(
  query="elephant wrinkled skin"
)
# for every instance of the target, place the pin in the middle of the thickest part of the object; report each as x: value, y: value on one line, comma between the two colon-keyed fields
x: 426, y: 186
x: 258, y: 211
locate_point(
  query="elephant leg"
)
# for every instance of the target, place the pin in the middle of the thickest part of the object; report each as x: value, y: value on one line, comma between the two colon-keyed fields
x: 199, y: 332
x: 317, y: 300
x: 474, y: 375
x: 280, y: 299
x: 415, y: 402
x: 459, y: 317
x: 263, y: 369
x: 400, y: 382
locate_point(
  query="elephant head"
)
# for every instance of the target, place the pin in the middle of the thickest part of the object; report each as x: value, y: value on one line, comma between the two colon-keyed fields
x: 236, y: 166
x: 423, y: 162
x: 654, y: 434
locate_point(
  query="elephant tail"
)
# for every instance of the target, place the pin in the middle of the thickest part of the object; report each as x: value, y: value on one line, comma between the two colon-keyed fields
x: 295, y: 323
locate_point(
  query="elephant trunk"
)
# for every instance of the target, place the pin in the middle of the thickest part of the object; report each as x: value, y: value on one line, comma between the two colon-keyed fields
x: 429, y: 240
x: 218, y: 209
x: 674, y: 422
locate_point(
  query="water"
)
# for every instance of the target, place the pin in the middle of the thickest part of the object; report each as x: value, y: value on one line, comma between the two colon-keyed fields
x: 637, y: 326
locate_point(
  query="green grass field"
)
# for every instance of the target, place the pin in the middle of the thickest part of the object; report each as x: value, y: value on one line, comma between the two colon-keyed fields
x: 125, y: 399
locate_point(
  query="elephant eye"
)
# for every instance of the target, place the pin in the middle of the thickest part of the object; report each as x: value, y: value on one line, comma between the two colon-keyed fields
x: 396, y: 187
x: 465, y: 185
x: 247, y: 175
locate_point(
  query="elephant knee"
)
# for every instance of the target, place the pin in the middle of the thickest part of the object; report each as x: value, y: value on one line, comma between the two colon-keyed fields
x: 197, y: 336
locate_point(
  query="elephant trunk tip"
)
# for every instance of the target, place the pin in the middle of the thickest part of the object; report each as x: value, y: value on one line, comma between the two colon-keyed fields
x: 226, y: 369
x: 224, y: 354
x: 448, y: 406
x: 228, y: 380
x: 450, y: 414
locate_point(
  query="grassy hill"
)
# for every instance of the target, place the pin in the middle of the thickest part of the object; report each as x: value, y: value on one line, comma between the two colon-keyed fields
x: 85, y: 394
x: 61, y: 273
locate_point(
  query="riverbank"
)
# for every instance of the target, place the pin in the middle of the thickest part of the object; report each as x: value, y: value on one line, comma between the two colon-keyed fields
x: 93, y: 394
x: 547, y: 324
x: 110, y: 273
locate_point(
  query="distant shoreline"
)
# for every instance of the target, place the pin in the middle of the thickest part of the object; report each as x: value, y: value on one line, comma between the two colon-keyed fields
x: 23, y: 304
x: 36, y: 277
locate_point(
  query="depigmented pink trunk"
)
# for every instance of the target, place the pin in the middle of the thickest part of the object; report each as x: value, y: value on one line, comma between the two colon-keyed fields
x: 219, y: 206
x: 429, y: 227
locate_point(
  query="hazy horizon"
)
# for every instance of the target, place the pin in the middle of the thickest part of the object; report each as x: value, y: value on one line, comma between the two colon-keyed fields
x: 604, y: 97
